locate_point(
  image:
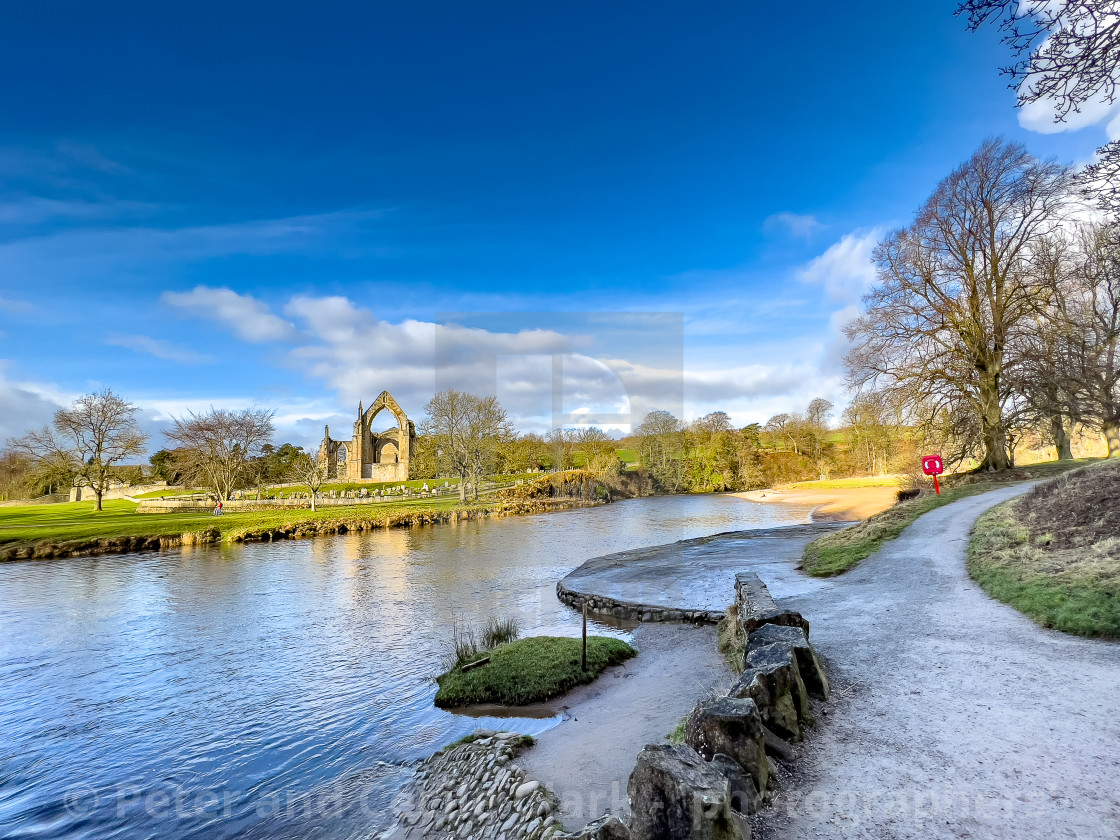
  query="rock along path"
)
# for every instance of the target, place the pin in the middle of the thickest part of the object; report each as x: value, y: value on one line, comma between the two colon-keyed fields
x: 954, y: 715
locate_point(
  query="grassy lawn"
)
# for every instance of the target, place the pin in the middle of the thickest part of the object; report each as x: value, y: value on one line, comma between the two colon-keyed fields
x: 166, y: 492
x: 530, y: 671
x: 846, y: 483
x: 78, y: 521
x: 1054, y: 553
x: 836, y: 553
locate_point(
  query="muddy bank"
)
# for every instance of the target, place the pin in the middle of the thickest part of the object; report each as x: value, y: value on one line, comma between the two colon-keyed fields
x: 843, y: 505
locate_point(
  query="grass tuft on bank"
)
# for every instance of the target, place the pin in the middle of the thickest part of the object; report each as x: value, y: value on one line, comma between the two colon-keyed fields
x: 1054, y: 553
x: 530, y: 671
x: 840, y: 551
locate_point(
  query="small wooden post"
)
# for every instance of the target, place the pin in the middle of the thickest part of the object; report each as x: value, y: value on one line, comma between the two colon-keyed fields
x: 584, y: 635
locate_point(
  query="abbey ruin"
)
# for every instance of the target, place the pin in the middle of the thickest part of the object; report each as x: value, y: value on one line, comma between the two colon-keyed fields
x: 370, y: 455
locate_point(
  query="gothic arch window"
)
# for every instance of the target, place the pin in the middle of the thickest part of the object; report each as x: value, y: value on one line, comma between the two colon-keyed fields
x: 340, y: 456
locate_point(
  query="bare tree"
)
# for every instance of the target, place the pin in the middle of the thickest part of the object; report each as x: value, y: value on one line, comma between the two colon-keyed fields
x: 561, y: 444
x: 309, y: 470
x: 216, y: 449
x: 88, y: 441
x: 942, y: 329
x: 16, y: 474
x: 599, y: 455
x: 1092, y: 357
x: 470, y: 432
x: 661, y: 446
x: 1067, y: 52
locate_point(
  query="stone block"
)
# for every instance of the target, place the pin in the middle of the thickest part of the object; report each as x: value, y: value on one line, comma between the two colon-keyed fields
x: 732, y: 726
x: 780, y: 655
x: 609, y: 827
x: 808, y: 663
x: 676, y: 795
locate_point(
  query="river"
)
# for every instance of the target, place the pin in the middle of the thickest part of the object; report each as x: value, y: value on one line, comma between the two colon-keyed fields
x: 276, y: 690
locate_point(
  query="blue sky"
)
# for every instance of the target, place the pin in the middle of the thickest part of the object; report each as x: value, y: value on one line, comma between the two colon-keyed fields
x: 273, y: 204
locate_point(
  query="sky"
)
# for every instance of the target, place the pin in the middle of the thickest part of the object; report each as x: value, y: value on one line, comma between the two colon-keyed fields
x: 589, y: 209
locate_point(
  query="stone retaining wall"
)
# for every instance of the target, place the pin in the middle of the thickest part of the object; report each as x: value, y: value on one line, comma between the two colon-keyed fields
x: 629, y: 611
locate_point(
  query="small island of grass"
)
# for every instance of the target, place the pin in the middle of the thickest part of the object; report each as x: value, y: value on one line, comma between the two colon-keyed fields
x: 530, y: 671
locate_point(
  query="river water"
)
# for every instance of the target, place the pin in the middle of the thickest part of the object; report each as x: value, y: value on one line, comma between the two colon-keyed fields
x: 276, y: 690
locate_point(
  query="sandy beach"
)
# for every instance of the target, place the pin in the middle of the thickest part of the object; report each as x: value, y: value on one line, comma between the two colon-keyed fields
x: 841, y: 505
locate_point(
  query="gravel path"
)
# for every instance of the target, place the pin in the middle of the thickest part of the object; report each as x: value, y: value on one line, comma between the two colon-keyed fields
x: 955, y: 715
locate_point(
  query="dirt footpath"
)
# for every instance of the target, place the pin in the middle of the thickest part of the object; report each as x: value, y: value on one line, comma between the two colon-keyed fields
x: 587, y: 760
x: 955, y: 715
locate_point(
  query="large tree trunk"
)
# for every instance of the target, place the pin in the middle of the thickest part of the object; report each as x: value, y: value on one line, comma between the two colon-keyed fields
x: 1111, y: 430
x: 1062, y: 441
x: 98, y: 491
x: 462, y: 489
x: 313, y: 494
x: 993, y: 432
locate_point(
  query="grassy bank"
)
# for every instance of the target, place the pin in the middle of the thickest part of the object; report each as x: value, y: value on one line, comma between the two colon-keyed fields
x: 1054, y: 553
x: 76, y: 529
x: 62, y: 530
x: 836, y: 553
x: 530, y: 671
x: 846, y: 483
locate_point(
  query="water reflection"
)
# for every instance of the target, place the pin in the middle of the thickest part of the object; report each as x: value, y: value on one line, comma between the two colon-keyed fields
x: 279, y: 689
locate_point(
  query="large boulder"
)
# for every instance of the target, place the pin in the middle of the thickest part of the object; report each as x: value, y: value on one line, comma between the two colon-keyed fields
x: 609, y: 827
x: 778, y: 657
x: 745, y: 797
x: 676, y: 795
x: 808, y: 664
x: 770, y: 689
x: 732, y: 726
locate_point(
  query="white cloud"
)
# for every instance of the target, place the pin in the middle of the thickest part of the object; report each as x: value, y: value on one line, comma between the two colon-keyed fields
x: 845, y: 270
x: 1039, y: 117
x: 794, y: 224
x: 26, y: 405
x: 159, y: 348
x: 249, y: 318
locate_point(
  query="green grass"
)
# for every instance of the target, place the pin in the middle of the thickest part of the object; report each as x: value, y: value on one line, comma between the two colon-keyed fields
x: 847, y: 483
x: 1054, y: 554
x: 168, y: 491
x: 840, y: 551
x: 730, y: 641
x: 530, y: 671
x: 78, y: 521
x: 628, y: 456
x: 677, y: 735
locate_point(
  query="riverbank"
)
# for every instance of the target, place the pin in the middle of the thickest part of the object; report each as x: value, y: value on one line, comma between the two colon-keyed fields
x: 34, y: 532
x: 76, y: 530
x: 842, y: 504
